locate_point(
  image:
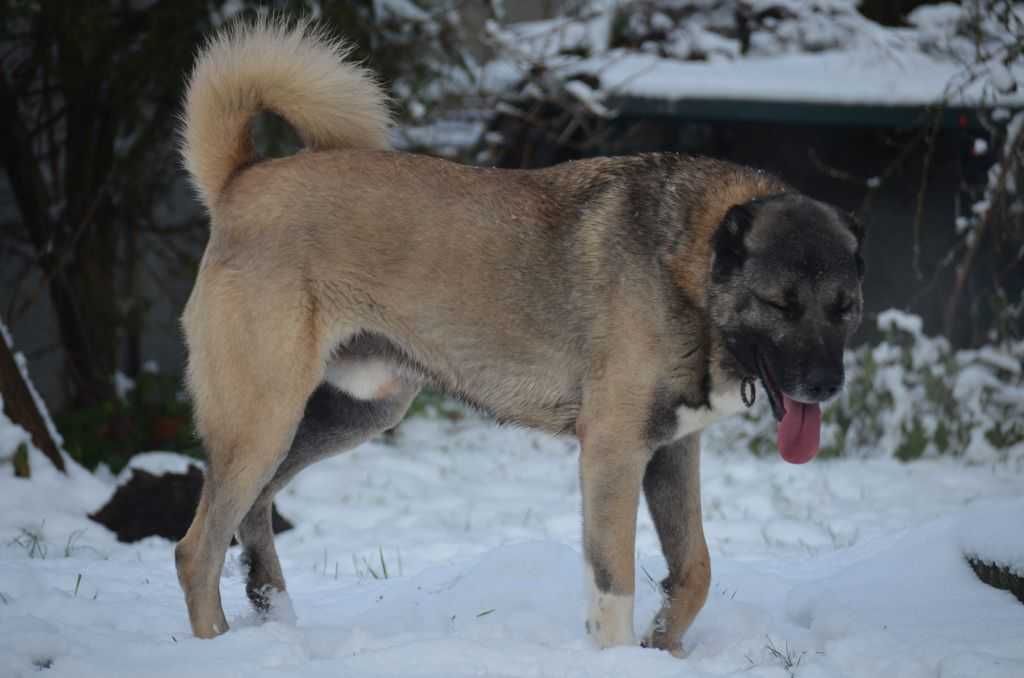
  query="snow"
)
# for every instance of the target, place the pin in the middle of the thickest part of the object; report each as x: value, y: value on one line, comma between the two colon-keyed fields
x: 858, y: 77
x: 994, y: 541
x: 156, y: 463
x: 852, y: 567
x: 587, y: 96
x: 447, y: 137
x: 894, y: 319
x: 401, y: 9
x: 123, y: 384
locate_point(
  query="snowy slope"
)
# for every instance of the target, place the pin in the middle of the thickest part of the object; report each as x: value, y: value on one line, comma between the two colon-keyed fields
x: 852, y: 568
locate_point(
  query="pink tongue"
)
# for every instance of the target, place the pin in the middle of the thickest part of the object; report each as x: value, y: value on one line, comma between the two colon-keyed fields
x: 799, y: 431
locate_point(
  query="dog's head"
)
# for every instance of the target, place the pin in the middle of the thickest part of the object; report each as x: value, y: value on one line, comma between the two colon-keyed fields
x: 785, y: 297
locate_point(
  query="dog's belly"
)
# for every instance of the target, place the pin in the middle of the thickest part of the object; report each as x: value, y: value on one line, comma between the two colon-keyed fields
x: 540, y: 392
x: 364, y: 378
x: 536, y: 395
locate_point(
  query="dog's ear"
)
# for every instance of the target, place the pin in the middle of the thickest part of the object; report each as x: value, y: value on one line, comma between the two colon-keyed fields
x: 730, y: 250
x: 856, y: 226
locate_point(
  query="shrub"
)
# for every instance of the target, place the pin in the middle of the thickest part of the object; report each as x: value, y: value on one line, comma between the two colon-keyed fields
x: 150, y: 413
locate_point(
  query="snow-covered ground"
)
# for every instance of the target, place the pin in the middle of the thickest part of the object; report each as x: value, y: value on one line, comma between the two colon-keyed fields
x: 840, y: 568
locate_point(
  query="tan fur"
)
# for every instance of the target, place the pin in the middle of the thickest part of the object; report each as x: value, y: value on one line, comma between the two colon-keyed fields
x: 536, y: 295
x: 296, y: 71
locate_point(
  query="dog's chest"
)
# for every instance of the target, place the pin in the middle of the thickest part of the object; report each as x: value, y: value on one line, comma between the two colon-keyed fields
x: 723, y: 401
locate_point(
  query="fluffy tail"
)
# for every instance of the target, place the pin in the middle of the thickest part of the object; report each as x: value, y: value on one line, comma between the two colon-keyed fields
x: 295, y: 70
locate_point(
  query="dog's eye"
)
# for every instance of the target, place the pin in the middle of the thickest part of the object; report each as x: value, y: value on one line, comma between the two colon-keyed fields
x: 788, y: 309
x: 842, y: 307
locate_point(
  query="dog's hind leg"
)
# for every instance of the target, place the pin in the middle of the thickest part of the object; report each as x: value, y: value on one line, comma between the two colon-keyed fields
x: 672, y: 487
x: 333, y: 423
x: 238, y: 469
x: 250, y: 375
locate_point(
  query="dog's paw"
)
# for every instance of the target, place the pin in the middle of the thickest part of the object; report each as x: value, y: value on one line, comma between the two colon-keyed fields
x: 610, y: 621
x: 675, y: 648
x: 658, y: 639
x: 273, y: 605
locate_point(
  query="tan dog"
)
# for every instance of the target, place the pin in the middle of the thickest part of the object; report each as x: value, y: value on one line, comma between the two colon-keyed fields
x: 620, y: 299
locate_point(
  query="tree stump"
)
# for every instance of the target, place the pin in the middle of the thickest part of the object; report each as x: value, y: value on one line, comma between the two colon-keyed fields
x: 161, y: 505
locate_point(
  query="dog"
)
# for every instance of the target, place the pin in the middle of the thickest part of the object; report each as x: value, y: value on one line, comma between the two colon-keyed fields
x: 629, y: 301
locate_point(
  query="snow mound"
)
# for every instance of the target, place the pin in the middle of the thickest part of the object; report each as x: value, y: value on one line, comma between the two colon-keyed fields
x: 995, y: 537
x: 157, y: 463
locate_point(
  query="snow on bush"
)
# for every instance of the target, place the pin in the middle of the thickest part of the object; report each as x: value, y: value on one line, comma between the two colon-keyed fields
x: 814, y: 50
x: 703, y: 30
x: 913, y: 396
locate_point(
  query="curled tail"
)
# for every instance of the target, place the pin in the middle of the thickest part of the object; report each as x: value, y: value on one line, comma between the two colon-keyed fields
x: 295, y: 70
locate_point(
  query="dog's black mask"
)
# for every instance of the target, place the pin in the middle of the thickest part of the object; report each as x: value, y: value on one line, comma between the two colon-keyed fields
x: 785, y: 294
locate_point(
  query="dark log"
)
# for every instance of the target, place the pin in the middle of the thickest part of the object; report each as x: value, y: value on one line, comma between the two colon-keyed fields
x: 998, y: 576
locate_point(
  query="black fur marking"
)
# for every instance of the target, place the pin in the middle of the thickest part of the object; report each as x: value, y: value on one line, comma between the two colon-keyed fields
x: 857, y: 228
x: 641, y: 228
x: 662, y: 421
x: 855, y: 225
x: 602, y: 574
x: 800, y: 244
x: 329, y: 410
x: 729, y: 248
x: 705, y: 385
x: 840, y: 307
x: 793, y: 308
x: 255, y: 588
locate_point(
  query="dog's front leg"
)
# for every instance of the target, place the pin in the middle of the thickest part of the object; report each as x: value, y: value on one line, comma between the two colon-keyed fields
x: 611, y: 475
x: 672, y: 486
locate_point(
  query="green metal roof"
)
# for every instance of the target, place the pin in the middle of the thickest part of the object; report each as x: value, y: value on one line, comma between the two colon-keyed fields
x: 798, y: 112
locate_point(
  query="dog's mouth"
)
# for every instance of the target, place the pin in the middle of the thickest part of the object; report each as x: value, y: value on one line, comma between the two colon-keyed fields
x: 799, y: 434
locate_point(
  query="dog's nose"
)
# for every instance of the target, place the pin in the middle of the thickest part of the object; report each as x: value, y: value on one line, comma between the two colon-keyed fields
x: 823, y: 383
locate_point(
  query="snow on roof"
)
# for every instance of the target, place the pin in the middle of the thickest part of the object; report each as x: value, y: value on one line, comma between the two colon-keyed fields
x: 844, y: 77
x: 820, y: 51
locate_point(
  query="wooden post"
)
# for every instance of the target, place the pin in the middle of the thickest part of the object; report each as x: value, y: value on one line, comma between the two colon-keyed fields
x: 20, y: 407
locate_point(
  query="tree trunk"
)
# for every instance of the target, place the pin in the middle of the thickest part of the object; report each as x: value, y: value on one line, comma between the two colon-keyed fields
x: 20, y: 407
x: 86, y: 317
